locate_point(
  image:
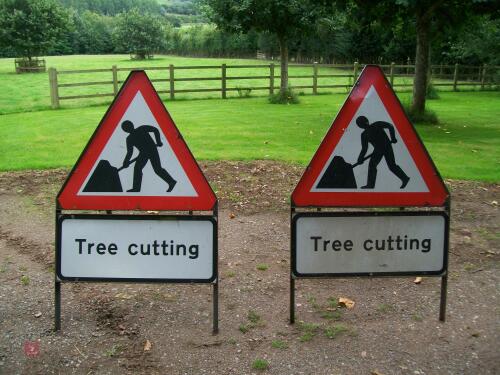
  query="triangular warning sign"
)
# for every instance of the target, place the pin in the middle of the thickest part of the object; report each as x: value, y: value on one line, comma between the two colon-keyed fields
x: 371, y: 155
x: 136, y: 159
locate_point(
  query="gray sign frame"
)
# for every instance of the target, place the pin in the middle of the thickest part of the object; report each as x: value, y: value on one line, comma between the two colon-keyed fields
x: 190, y: 218
x: 381, y: 214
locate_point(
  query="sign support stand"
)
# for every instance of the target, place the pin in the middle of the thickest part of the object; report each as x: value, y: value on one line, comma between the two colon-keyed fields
x: 444, y: 278
x: 215, y: 323
x: 442, y: 305
x: 215, y: 291
x: 95, y: 184
x: 57, y: 289
x: 57, y: 305
x: 373, y: 117
x: 292, y: 280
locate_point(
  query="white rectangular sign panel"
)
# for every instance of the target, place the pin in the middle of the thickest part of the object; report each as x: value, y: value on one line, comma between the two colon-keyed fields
x: 137, y: 248
x: 392, y: 243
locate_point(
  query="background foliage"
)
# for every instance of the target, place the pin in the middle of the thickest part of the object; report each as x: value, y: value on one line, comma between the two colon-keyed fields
x: 345, y: 34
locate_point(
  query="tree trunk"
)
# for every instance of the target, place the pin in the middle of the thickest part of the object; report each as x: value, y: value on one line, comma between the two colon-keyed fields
x: 284, y: 64
x: 421, y: 64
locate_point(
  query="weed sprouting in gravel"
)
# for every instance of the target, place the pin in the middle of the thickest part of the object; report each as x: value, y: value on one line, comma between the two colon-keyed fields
x: 253, y: 317
x: 335, y: 330
x: 309, y: 331
x: 384, y: 308
x: 25, y: 280
x: 244, y: 328
x: 279, y: 344
x: 114, y: 351
x: 260, y: 364
x: 262, y: 267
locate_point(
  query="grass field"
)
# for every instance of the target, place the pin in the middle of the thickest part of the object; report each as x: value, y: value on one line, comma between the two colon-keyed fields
x: 466, y: 145
x: 30, y: 92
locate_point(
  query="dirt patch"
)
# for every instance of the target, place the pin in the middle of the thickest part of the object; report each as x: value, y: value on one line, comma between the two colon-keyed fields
x: 166, y: 329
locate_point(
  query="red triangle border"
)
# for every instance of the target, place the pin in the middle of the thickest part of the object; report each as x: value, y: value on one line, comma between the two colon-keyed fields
x: 68, y: 198
x: 437, y: 195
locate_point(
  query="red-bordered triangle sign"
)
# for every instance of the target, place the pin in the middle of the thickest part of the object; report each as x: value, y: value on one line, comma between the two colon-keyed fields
x: 371, y: 155
x: 136, y: 160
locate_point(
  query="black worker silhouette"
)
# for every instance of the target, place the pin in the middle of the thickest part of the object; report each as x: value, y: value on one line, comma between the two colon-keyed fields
x: 140, y: 138
x: 376, y: 135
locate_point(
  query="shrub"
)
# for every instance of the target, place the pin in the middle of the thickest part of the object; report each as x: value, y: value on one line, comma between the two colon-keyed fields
x: 427, y: 117
x: 243, y: 92
x: 287, y: 97
x: 431, y: 93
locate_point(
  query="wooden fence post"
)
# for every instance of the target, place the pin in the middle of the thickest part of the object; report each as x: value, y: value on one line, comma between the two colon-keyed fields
x: 483, y: 76
x: 392, y: 73
x: 355, y: 71
x: 54, y: 90
x: 115, y: 79
x: 455, y: 78
x: 223, y: 81
x: 271, y: 79
x: 171, y: 81
x: 315, y: 78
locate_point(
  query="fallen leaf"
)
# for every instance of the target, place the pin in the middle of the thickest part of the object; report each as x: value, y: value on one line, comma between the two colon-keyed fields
x: 147, y: 346
x: 346, y: 302
x: 417, y: 280
x: 376, y: 372
x: 494, y: 203
x: 38, y: 314
x: 232, y: 216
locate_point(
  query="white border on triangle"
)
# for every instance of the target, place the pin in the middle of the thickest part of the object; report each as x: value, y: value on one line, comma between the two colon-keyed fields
x: 115, y: 150
x: 349, y: 147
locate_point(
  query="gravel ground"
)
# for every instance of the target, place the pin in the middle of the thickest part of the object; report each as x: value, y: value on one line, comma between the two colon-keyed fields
x: 116, y: 328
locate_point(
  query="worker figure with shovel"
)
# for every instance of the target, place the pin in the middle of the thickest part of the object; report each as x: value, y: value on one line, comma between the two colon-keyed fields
x: 140, y: 138
x: 382, y: 148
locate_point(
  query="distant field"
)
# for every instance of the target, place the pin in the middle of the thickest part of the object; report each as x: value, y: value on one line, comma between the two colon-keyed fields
x: 466, y: 145
x: 30, y: 92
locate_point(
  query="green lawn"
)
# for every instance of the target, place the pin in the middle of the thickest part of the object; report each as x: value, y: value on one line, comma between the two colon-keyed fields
x: 30, y: 92
x: 466, y: 145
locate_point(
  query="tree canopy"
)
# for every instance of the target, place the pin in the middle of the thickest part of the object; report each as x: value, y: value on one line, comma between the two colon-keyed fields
x: 30, y: 28
x: 431, y: 18
x: 286, y: 19
x: 139, y: 34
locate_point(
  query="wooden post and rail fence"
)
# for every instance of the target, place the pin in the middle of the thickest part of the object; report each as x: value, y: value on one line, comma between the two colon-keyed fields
x: 452, y: 76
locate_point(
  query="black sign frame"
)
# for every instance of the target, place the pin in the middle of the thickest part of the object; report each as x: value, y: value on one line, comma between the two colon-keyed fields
x: 211, y: 280
x: 293, y: 241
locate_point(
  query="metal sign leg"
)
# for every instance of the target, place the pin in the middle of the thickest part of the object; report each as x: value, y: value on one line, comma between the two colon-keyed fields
x: 57, y: 306
x: 442, y: 305
x: 215, y: 325
x: 292, y: 300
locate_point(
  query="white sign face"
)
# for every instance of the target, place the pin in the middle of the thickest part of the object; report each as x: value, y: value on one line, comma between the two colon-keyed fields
x: 390, y: 162
x: 366, y: 244
x: 173, y: 249
x: 150, y: 163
